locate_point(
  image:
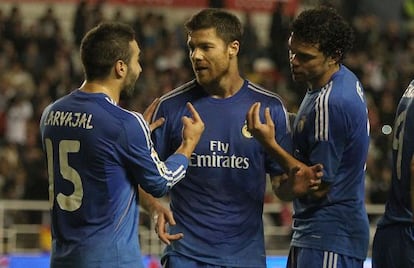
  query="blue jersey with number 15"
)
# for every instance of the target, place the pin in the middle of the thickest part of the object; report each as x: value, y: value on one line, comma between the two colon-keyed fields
x: 97, y: 155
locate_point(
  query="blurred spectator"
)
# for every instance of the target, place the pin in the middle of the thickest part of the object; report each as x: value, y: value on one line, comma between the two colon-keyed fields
x: 49, y: 33
x: 13, y: 25
x: 250, y: 49
x: 278, y: 36
x: 80, y: 22
x: 20, y: 80
x: 18, y: 114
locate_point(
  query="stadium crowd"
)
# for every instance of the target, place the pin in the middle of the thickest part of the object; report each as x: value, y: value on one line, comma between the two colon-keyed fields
x: 38, y: 64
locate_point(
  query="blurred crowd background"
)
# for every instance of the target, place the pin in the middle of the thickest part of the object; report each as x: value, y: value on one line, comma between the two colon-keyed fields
x: 39, y: 62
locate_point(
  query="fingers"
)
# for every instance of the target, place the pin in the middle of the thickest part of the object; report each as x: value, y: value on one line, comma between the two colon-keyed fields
x: 161, y: 223
x: 256, y: 111
x: 157, y: 123
x: 149, y: 112
x: 170, y: 218
x: 151, y: 109
x: 268, y: 117
x: 315, y: 182
x: 314, y: 187
x: 311, y: 182
x: 319, y: 174
x: 168, y: 238
x: 252, y: 116
x: 318, y: 167
x: 193, y: 111
x: 249, y: 117
x: 318, y: 170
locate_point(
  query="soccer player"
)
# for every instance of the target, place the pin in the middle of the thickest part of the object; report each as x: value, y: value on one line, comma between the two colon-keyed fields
x: 330, y: 225
x: 393, y: 245
x: 98, y: 153
x: 218, y: 207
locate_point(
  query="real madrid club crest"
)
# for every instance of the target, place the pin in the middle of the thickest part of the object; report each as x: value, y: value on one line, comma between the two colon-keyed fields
x: 301, y: 124
x: 245, y: 131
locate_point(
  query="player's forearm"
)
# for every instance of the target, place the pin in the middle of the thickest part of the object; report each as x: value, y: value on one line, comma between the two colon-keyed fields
x: 286, y: 160
x: 187, y: 147
x: 147, y: 201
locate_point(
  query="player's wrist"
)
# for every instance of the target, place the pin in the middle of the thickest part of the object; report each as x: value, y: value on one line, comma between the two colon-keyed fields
x: 187, y: 147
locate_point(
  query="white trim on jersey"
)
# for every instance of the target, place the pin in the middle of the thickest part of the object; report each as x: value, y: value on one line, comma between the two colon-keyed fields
x: 172, y: 177
x: 266, y: 92
x: 181, y: 89
x: 144, y: 126
x: 140, y: 118
x: 322, y: 113
x: 178, y: 175
x: 111, y: 101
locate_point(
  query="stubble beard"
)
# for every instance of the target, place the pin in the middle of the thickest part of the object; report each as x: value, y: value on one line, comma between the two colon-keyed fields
x: 129, y: 85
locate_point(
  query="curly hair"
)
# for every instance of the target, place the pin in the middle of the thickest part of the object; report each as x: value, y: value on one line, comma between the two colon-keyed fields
x: 324, y: 26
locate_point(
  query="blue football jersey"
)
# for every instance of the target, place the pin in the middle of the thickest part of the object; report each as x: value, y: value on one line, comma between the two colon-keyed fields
x: 97, y: 155
x: 332, y: 128
x: 219, y: 205
x: 398, y: 208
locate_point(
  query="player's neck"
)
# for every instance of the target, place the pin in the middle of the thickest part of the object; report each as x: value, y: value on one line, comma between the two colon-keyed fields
x: 324, y: 79
x: 225, y: 88
x: 100, y: 87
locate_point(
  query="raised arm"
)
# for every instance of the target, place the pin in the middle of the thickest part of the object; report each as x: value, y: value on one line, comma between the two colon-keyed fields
x: 300, y: 179
x: 193, y: 128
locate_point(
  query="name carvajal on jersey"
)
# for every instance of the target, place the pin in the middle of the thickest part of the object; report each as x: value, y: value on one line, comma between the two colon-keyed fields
x: 68, y: 119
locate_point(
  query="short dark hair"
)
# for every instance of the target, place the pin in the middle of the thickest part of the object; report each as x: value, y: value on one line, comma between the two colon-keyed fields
x: 103, y: 45
x: 227, y: 25
x: 324, y: 26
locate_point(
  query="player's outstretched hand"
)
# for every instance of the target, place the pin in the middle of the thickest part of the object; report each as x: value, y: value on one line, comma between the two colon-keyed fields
x: 163, y: 217
x: 193, y: 126
x: 148, y: 113
x: 263, y: 132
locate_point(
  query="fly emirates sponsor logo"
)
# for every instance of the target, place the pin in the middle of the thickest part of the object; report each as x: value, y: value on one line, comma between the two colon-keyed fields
x: 219, y: 158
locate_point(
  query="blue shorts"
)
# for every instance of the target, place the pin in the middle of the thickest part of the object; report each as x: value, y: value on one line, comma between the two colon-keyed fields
x: 180, y: 261
x: 308, y: 257
x: 393, y: 246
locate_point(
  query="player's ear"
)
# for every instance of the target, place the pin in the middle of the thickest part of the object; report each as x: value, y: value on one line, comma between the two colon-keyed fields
x: 234, y: 48
x: 334, y: 59
x: 120, y: 68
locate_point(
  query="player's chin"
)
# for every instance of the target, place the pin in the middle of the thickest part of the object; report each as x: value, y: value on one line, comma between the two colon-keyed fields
x: 203, y: 80
x: 298, y: 77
